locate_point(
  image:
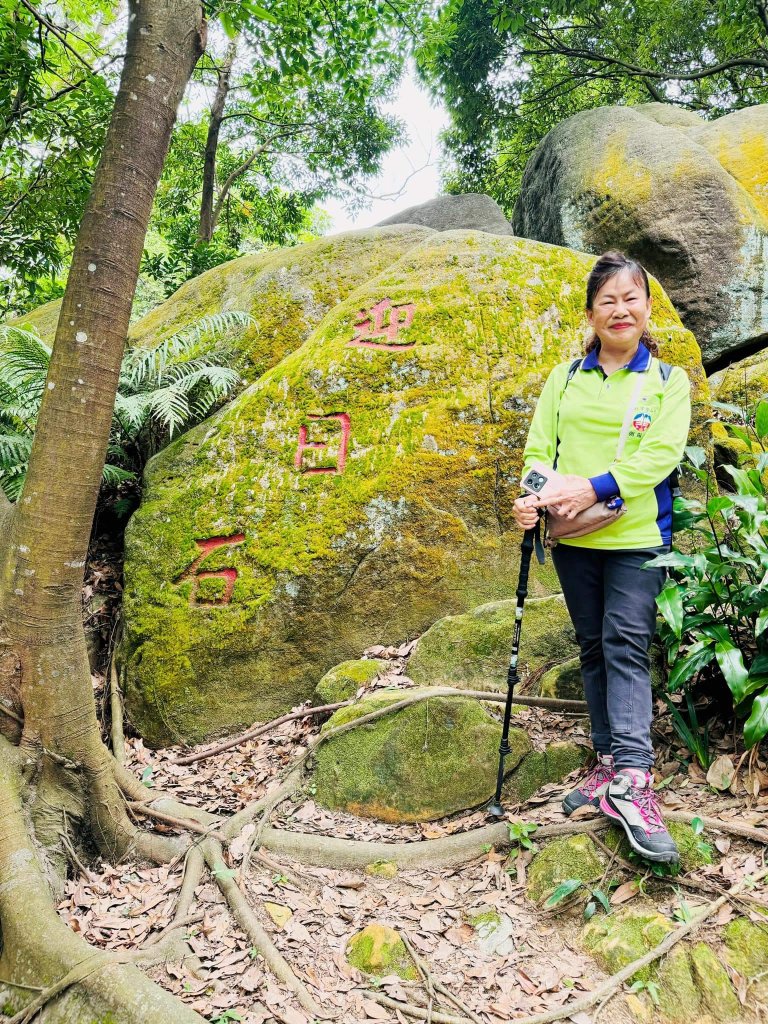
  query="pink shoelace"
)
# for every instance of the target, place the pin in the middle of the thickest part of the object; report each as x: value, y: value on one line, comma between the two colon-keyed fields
x: 597, y: 777
x: 646, y: 802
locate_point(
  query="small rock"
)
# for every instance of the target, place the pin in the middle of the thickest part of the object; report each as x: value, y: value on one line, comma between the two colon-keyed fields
x: 379, y: 950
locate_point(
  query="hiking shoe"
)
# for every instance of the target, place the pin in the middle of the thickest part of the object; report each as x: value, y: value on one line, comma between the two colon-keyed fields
x: 593, y: 786
x: 630, y: 800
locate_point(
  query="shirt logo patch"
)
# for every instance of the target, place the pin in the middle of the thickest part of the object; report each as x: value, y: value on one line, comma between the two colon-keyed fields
x: 641, y: 422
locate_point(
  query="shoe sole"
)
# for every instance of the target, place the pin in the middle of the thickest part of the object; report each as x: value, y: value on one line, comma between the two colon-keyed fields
x: 659, y: 858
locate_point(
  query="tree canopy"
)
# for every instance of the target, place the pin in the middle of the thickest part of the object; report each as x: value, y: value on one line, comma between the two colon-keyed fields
x: 509, y: 74
x: 302, y: 87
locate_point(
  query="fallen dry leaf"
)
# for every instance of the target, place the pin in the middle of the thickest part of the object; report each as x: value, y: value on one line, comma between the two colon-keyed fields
x: 279, y: 914
x: 625, y: 892
x: 721, y: 773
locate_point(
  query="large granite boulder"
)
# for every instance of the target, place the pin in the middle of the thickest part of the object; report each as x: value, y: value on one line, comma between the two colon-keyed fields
x: 473, y: 211
x: 358, y: 491
x: 689, y: 200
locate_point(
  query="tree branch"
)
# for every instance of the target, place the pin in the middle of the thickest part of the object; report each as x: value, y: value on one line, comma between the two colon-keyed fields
x: 42, y: 20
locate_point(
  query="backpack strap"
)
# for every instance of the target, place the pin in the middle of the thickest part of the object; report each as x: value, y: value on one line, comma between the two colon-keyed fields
x: 665, y: 369
x: 571, y: 374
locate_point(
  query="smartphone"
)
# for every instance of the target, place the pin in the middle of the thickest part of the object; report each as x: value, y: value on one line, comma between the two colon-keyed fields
x: 542, y: 481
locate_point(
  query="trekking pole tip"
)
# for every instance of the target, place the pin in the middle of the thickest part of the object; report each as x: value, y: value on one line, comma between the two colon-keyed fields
x: 495, y: 810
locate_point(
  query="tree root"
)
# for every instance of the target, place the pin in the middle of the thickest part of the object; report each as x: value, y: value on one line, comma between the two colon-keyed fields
x: 246, y: 918
x: 416, y: 1011
x: 258, y: 730
x: 109, y: 987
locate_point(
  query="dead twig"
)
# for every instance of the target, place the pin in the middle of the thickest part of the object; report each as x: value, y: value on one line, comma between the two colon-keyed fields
x: 433, y: 984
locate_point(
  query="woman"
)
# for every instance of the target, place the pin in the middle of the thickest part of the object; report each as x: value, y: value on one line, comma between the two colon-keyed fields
x: 610, y: 597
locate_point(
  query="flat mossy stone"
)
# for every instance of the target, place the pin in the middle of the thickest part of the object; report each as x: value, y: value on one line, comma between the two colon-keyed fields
x: 344, y: 680
x: 746, y: 946
x: 561, y: 859
x: 542, y: 766
x: 472, y: 650
x: 713, y: 983
x: 695, y: 851
x: 429, y: 759
x: 617, y: 939
x: 360, y: 489
x: 378, y: 950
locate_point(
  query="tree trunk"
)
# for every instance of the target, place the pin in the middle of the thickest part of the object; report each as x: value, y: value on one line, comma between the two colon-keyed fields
x: 65, y: 774
x: 207, y: 223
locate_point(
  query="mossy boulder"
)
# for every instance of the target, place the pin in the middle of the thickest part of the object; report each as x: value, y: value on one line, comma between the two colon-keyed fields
x: 561, y: 859
x: 378, y: 950
x: 344, y: 680
x: 542, y: 766
x: 472, y: 650
x: 434, y: 757
x: 360, y: 490
x: 688, y: 200
x: 692, y: 982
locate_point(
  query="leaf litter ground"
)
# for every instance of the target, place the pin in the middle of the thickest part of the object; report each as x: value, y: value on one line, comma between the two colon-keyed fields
x: 531, y: 964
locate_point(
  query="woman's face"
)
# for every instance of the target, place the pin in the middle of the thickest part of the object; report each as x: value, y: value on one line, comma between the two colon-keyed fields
x: 620, y: 310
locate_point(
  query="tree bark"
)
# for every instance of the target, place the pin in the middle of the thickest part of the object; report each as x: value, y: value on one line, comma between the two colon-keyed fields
x: 45, y: 680
x: 207, y: 221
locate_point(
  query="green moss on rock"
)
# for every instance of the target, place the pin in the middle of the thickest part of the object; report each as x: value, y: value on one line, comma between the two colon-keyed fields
x: 541, y: 767
x: 378, y: 950
x: 381, y: 869
x: 679, y: 994
x: 713, y: 983
x: 472, y: 650
x: 624, y: 936
x: 429, y: 759
x: 344, y: 680
x: 746, y: 946
x: 561, y: 859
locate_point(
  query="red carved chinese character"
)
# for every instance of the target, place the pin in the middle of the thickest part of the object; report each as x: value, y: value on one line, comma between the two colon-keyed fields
x: 343, y: 419
x: 371, y: 325
x: 229, y: 575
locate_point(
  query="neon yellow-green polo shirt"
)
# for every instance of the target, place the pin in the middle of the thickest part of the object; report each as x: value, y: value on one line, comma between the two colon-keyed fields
x: 592, y: 410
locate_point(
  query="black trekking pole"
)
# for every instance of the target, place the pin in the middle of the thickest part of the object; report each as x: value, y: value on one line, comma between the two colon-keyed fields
x: 526, y: 550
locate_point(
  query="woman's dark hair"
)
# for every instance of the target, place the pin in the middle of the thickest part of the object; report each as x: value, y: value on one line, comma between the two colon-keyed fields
x: 607, y: 266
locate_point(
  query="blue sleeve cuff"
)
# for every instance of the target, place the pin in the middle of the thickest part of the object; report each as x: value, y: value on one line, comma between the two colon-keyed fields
x: 605, y: 486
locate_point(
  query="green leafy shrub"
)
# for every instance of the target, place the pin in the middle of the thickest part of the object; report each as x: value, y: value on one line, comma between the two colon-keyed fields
x: 161, y: 392
x: 715, y: 605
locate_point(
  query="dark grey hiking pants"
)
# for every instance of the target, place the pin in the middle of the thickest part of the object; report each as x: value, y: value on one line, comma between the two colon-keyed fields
x: 612, y: 603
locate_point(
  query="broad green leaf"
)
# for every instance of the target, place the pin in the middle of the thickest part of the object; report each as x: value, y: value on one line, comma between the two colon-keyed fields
x: 700, y: 654
x: 565, y: 889
x: 670, y: 604
x: 762, y: 622
x: 756, y: 726
x: 761, y: 420
x: 731, y: 662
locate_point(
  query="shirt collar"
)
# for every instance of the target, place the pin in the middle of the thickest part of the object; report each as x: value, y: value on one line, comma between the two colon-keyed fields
x: 640, y: 361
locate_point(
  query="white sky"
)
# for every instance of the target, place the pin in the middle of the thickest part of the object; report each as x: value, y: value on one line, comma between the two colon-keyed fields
x: 410, y: 173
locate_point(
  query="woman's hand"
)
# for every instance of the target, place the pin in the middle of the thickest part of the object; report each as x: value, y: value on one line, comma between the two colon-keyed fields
x: 525, y: 511
x: 576, y: 494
